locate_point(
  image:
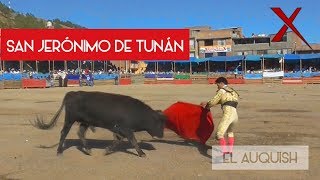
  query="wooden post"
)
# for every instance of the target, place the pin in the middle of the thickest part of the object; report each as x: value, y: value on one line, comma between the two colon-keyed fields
x: 157, y: 67
x: 242, y: 63
x: 52, y: 65
x: 65, y: 66
x: 262, y: 64
x: 37, y: 68
x: 125, y: 69
x: 225, y: 66
x: 301, y: 67
x: 245, y: 65
x: 49, y: 66
x: 205, y: 66
x: 21, y: 66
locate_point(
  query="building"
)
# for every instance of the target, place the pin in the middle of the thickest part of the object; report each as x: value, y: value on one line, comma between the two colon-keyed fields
x: 206, y: 42
x: 262, y: 44
x: 304, y: 49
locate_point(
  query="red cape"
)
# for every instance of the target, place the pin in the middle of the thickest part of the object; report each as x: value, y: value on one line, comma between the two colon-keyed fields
x: 190, y: 121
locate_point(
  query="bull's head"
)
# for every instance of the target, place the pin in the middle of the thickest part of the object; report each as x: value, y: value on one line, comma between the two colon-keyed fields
x: 157, y: 131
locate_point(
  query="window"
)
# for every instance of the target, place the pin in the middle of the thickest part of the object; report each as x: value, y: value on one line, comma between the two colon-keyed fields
x: 194, y: 32
x: 248, y: 52
x: 262, y: 40
x: 222, y: 54
x: 284, y: 38
x: 206, y: 55
x: 191, y: 41
x: 240, y: 53
x: 208, y: 42
x: 260, y: 52
x: 285, y: 51
x: 279, y: 52
x: 272, y: 51
x: 243, y: 41
x: 222, y: 42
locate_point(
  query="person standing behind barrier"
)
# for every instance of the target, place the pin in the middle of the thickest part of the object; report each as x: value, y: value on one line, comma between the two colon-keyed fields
x: 228, y: 98
x: 65, y: 80
x: 60, y: 81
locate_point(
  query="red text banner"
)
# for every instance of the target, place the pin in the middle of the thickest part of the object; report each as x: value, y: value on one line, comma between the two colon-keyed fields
x: 94, y: 44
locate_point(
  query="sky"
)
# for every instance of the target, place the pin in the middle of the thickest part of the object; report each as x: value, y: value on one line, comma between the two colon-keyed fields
x: 254, y: 16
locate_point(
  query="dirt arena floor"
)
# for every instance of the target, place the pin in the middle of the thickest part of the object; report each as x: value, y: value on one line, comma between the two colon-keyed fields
x: 268, y: 115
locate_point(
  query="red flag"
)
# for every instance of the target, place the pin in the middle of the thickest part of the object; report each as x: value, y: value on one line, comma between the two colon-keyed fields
x: 190, y: 121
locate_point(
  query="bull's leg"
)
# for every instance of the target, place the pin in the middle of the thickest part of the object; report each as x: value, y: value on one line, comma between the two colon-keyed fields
x: 129, y: 134
x: 65, y: 130
x: 117, y: 140
x: 81, y: 133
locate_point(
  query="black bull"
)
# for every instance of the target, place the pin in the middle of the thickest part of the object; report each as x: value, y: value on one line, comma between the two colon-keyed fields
x: 123, y: 115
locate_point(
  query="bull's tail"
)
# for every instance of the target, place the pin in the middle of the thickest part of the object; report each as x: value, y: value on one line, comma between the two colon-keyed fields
x: 39, y: 123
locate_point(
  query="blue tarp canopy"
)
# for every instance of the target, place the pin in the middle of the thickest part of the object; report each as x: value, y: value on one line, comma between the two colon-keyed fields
x: 199, y: 59
x: 272, y: 56
x: 252, y: 58
x: 153, y: 61
x: 289, y: 57
x: 309, y: 56
x: 226, y: 58
x: 265, y: 56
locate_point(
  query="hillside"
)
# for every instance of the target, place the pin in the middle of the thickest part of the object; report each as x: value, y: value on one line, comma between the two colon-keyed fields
x: 12, y: 19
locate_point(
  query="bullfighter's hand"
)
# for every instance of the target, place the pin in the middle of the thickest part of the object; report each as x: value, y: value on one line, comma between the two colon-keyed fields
x: 203, y: 104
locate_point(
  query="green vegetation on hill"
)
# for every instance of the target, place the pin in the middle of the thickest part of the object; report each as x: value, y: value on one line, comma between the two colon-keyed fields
x: 11, y: 19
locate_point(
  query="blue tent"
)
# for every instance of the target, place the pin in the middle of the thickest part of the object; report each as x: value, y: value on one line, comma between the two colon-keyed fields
x: 309, y: 56
x: 272, y: 56
x: 226, y: 58
x: 289, y: 57
x: 152, y: 61
x: 302, y: 56
x: 252, y: 58
x: 192, y: 60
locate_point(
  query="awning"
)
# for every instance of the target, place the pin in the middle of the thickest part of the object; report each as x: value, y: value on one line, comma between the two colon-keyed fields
x: 272, y: 56
x: 252, y: 58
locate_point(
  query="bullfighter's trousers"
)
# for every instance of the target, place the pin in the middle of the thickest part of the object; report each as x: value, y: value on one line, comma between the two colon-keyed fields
x: 227, y: 123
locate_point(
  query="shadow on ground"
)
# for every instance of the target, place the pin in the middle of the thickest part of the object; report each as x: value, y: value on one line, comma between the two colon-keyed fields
x: 201, y: 147
x: 125, y: 145
x: 101, y: 144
